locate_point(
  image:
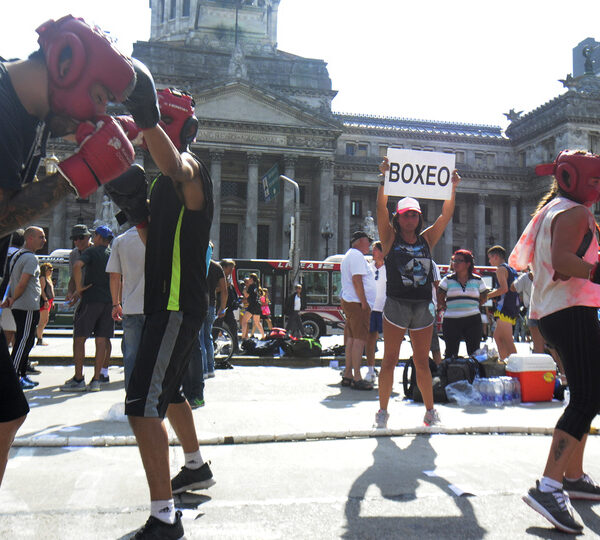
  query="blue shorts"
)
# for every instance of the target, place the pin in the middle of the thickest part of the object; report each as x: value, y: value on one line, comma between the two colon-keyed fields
x: 376, y: 324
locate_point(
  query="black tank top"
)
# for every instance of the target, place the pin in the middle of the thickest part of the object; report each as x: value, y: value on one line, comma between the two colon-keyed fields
x: 409, y: 270
x: 177, y: 250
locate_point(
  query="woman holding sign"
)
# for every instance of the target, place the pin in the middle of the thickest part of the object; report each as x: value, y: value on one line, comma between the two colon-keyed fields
x: 407, y: 250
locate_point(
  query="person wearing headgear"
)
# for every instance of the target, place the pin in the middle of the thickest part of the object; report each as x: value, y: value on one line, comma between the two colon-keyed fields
x: 359, y: 291
x: 61, y: 89
x: 93, y: 316
x: 561, y: 244
x: 176, y: 233
x: 408, y: 306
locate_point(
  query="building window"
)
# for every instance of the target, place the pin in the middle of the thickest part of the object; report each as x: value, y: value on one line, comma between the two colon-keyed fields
x: 488, y: 215
x: 350, y: 149
x: 161, y: 10
x: 429, y: 149
x: 233, y: 189
x: 356, y: 208
x: 456, y: 216
x: 595, y: 143
x: 521, y: 159
x: 491, y: 160
x: 173, y: 10
x: 383, y: 150
x: 302, y: 190
x: 363, y: 150
x: 262, y: 246
x: 460, y: 156
x: 479, y: 159
x: 185, y: 9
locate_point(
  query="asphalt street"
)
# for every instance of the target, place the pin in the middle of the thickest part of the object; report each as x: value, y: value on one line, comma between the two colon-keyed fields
x: 294, y: 456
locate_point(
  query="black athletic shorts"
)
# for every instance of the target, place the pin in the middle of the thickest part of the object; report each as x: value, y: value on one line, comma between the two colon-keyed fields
x: 13, y: 404
x: 94, y: 319
x: 168, y: 339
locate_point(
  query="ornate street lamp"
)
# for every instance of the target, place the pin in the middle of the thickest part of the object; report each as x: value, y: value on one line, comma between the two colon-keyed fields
x: 51, y: 164
x: 327, y: 234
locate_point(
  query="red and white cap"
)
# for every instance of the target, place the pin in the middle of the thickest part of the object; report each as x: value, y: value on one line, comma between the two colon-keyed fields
x: 407, y: 204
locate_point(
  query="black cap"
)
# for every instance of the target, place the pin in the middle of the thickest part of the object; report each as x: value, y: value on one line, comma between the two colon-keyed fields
x: 80, y: 230
x: 357, y: 235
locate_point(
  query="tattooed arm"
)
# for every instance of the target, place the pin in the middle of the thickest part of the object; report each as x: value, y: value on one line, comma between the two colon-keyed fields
x: 19, y: 208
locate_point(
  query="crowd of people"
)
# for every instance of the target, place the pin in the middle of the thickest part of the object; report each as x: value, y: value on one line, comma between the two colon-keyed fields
x: 159, y: 279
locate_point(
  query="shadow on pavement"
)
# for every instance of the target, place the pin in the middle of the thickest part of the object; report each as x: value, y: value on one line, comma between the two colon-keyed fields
x: 397, y: 479
x: 347, y: 397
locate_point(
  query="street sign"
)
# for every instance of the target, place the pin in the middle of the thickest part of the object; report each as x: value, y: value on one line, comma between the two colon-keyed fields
x: 271, y: 183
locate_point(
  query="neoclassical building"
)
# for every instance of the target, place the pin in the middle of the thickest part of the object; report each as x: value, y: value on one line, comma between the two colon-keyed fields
x: 259, y: 106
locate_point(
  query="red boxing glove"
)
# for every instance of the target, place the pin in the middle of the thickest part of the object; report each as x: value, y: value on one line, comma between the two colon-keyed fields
x: 104, y: 153
x: 133, y: 132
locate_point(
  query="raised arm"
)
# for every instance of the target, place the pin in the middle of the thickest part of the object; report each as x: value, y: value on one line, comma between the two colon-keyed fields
x: 434, y: 233
x: 384, y: 226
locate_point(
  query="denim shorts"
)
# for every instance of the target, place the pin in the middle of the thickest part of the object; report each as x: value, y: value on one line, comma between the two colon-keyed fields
x: 376, y: 324
x: 414, y: 315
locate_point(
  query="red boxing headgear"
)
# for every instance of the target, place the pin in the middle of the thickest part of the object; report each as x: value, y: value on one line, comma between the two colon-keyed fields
x: 177, y: 116
x: 572, y: 170
x: 94, y: 59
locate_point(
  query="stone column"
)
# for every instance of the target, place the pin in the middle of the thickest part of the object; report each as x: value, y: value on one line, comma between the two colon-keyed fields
x: 525, y: 216
x: 288, y: 204
x: 250, y: 234
x: 512, y: 224
x: 344, y: 236
x: 215, y: 173
x: 325, y: 203
x: 480, y: 241
x: 58, y: 233
x: 335, y: 223
x: 448, y: 240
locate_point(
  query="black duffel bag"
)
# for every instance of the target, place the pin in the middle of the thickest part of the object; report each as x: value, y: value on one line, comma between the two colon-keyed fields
x: 449, y: 371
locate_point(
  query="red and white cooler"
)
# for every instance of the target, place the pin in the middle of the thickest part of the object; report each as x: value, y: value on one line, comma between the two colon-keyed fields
x: 536, y: 374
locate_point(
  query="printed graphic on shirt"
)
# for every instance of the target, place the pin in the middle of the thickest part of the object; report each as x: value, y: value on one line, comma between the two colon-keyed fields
x: 413, y: 263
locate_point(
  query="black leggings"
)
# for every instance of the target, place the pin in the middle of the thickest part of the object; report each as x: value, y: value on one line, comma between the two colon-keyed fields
x: 575, y: 334
x: 459, y: 328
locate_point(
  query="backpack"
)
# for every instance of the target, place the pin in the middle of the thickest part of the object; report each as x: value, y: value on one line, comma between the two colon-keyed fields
x: 11, y: 260
x: 304, y: 347
x: 449, y: 371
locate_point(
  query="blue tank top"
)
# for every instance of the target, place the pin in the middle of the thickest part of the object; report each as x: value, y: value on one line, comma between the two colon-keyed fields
x: 409, y: 270
x: 508, y: 303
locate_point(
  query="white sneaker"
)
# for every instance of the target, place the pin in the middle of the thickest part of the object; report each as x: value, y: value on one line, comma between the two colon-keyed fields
x: 381, y: 418
x: 71, y: 385
x: 370, y: 377
x: 432, y: 418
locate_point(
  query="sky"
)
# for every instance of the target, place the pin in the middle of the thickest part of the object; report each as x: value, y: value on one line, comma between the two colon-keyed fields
x: 462, y: 60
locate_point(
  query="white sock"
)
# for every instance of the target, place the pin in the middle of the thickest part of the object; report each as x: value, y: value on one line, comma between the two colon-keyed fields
x: 548, y: 485
x: 193, y: 460
x: 574, y: 479
x: 371, y: 370
x: 104, y: 371
x: 163, y: 510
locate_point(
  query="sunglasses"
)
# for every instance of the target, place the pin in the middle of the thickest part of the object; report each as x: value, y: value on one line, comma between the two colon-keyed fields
x: 79, y: 237
x: 377, y: 274
x: 459, y: 260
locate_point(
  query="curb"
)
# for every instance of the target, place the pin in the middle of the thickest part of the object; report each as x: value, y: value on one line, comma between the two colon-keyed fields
x: 129, y: 440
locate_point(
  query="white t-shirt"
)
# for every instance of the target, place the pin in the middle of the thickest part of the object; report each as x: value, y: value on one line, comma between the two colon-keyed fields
x: 523, y: 285
x: 435, y: 276
x: 127, y: 258
x: 380, y: 277
x: 354, y: 263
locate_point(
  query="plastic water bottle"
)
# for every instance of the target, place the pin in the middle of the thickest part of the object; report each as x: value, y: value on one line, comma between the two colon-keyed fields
x: 507, y: 392
x: 498, y: 393
x: 477, y: 389
x: 516, y: 391
x: 485, y: 392
x: 567, y: 396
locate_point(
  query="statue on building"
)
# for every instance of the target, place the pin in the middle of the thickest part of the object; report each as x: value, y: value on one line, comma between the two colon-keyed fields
x: 589, y: 63
x: 513, y: 115
x: 369, y: 226
x: 237, y: 64
x: 107, y: 215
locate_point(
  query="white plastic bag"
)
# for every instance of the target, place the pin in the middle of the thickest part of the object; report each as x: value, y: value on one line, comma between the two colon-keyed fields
x: 463, y: 393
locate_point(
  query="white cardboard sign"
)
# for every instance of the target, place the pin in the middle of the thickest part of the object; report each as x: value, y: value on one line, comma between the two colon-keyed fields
x: 423, y: 175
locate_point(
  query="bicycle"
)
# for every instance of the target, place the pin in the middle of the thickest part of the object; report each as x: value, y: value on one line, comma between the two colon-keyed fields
x: 223, y: 344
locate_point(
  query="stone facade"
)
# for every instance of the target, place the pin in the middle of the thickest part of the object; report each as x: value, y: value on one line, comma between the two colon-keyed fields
x: 259, y: 106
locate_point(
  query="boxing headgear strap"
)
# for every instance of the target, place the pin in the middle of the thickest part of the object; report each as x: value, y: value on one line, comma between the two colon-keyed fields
x: 94, y: 59
x: 177, y: 114
x: 573, y: 170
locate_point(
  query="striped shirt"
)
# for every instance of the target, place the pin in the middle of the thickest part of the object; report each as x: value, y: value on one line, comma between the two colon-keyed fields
x: 462, y: 301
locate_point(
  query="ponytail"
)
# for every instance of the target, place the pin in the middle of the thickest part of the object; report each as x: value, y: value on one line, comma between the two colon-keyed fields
x: 552, y: 194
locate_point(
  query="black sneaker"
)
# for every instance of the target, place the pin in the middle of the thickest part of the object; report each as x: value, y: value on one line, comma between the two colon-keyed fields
x: 104, y: 378
x: 191, y: 479
x: 583, y: 488
x: 555, y: 506
x: 32, y: 371
x: 155, y: 529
